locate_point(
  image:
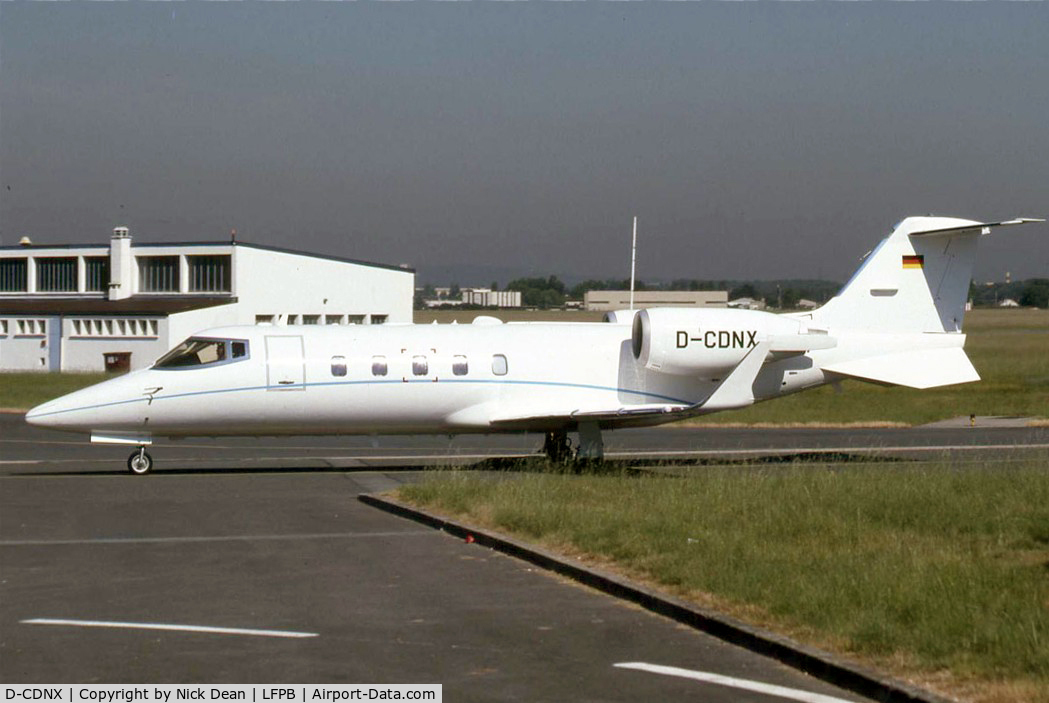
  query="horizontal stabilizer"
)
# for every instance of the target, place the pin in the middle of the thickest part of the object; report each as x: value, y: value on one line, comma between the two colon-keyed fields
x: 981, y: 227
x: 923, y: 368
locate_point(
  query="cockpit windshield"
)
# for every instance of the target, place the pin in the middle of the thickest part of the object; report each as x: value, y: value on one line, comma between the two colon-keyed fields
x: 197, y: 351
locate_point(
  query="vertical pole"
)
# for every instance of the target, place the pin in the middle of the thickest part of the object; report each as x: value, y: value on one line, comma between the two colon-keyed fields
x: 633, y: 263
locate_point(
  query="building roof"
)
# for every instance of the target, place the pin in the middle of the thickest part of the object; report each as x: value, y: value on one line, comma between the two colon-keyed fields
x: 104, y: 249
x: 38, y: 305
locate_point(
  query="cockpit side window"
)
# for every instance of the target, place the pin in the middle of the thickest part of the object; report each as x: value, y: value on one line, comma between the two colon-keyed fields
x: 197, y: 351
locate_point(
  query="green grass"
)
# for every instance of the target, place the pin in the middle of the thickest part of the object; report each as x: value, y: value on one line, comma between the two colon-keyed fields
x: 21, y: 391
x: 932, y: 568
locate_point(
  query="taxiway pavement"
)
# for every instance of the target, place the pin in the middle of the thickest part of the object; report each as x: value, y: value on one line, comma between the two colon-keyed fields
x: 268, y: 534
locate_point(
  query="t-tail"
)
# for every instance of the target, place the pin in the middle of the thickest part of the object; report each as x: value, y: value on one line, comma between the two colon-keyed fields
x: 903, y: 308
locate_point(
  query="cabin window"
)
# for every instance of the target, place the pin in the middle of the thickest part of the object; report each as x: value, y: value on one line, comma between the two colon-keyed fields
x: 338, y: 366
x: 499, y: 364
x: 459, y: 365
x: 197, y: 351
x: 379, y: 319
x: 420, y: 367
x: 378, y: 366
x: 311, y: 319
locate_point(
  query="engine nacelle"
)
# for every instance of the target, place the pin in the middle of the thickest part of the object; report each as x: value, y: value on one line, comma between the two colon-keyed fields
x: 704, y: 343
x: 619, y: 317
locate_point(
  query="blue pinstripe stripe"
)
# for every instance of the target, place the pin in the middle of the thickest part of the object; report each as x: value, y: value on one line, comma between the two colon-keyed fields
x: 246, y: 389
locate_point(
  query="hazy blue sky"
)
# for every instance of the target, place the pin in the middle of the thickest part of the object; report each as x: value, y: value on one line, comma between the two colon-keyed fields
x: 751, y: 140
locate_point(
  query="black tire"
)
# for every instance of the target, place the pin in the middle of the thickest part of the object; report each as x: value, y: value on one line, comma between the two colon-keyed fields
x: 140, y: 463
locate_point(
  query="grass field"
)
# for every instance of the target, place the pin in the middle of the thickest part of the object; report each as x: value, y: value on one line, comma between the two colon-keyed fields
x: 21, y: 391
x: 937, y: 573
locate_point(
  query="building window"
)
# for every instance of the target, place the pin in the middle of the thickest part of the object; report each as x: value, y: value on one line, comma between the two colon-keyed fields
x: 209, y: 274
x: 158, y: 274
x: 32, y: 328
x: 378, y: 366
x: 338, y: 366
x: 13, y: 277
x: 499, y: 364
x: 379, y: 319
x: 96, y: 270
x: 459, y: 366
x: 56, y: 275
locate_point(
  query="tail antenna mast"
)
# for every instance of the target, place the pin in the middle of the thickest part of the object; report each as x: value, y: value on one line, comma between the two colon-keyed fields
x: 633, y: 264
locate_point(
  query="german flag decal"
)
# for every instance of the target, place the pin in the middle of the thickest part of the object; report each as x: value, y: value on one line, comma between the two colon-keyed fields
x: 913, y: 261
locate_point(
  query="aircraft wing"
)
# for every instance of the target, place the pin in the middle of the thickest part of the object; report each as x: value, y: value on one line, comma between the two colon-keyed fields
x: 735, y: 391
x: 623, y: 416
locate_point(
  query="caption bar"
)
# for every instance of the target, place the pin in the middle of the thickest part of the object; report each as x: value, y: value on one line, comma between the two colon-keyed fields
x: 176, y: 693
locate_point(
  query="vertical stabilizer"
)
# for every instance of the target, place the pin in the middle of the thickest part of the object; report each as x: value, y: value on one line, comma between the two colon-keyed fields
x: 916, y: 280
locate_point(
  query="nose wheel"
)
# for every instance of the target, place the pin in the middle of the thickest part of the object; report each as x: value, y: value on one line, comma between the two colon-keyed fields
x: 140, y: 463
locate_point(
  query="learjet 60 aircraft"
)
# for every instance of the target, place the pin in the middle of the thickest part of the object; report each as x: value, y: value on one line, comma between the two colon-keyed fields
x: 898, y: 321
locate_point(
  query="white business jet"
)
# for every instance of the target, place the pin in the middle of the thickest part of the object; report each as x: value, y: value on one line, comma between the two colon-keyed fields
x: 897, y: 321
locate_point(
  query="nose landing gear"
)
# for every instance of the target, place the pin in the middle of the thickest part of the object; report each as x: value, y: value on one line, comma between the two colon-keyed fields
x: 140, y: 462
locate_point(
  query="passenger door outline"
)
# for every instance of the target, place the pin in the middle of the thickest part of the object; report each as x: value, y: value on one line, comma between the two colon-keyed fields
x: 285, y: 363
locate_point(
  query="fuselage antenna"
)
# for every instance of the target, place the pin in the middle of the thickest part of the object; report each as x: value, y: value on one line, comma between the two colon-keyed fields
x: 633, y: 264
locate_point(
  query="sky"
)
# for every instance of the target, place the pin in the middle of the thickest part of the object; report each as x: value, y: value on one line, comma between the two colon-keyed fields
x: 481, y: 141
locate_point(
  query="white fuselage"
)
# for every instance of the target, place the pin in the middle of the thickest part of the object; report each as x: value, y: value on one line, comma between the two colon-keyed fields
x: 438, y: 379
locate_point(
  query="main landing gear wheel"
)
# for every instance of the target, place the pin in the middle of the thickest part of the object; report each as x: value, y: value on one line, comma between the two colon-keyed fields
x: 557, y: 447
x: 140, y: 463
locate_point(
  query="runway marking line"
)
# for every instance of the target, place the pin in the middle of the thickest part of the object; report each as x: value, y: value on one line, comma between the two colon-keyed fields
x: 170, y: 627
x: 744, y: 684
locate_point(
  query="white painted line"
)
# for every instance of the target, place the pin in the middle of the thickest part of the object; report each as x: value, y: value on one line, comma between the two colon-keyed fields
x: 174, y: 628
x: 190, y: 540
x: 745, y: 684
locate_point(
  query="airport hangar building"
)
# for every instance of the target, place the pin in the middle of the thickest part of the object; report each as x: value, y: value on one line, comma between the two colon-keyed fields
x: 121, y: 306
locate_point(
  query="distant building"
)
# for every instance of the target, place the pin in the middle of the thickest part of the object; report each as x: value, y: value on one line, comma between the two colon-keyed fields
x: 1008, y: 303
x: 602, y: 300
x: 806, y: 304
x: 747, y: 304
x: 486, y: 297
x: 122, y: 305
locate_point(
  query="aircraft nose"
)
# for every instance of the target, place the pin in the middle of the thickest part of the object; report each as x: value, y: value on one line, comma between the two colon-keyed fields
x: 47, y: 414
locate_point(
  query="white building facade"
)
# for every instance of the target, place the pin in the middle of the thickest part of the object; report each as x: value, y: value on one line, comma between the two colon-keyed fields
x: 489, y: 298
x: 92, y: 308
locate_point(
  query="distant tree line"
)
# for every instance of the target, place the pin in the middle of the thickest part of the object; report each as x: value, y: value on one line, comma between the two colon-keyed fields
x: 552, y: 292
x: 1032, y: 292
